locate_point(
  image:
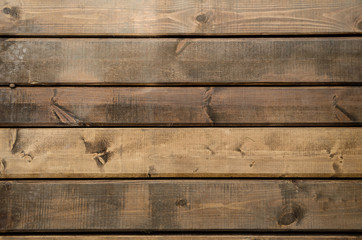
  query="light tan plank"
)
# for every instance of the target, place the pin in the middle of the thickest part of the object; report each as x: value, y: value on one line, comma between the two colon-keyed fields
x: 186, y: 237
x: 184, y: 106
x: 202, y: 205
x: 181, y: 152
x: 43, y: 61
x: 154, y: 17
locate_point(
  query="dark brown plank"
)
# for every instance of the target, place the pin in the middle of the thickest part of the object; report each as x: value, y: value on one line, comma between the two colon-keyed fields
x: 180, y: 205
x: 180, y: 152
x: 166, y: 106
x: 151, y: 17
x: 82, y: 61
x: 187, y: 237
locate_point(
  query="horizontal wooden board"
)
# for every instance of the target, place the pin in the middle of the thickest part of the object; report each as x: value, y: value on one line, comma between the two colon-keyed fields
x: 180, y: 152
x: 154, y: 17
x: 44, y: 61
x: 187, y: 237
x: 186, y: 205
x: 167, y: 106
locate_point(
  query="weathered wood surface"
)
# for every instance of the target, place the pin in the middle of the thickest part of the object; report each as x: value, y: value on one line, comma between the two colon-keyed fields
x: 154, y: 17
x: 188, y: 237
x: 53, y: 206
x: 82, y: 61
x: 167, y: 106
x: 180, y: 152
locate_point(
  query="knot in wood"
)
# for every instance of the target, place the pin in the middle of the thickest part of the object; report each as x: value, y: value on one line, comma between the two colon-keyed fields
x: 202, y: 18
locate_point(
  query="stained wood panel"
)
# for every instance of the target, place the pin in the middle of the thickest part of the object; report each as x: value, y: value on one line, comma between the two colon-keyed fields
x: 152, y: 17
x: 167, y: 106
x: 185, y: 237
x: 181, y: 152
x: 82, y: 61
x: 180, y: 205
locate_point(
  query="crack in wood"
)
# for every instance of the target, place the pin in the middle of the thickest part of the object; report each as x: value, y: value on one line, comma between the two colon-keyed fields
x: 182, y: 45
x: 63, y: 115
x: 206, y: 102
x: 3, y: 165
x: 14, y: 140
x: 341, y: 113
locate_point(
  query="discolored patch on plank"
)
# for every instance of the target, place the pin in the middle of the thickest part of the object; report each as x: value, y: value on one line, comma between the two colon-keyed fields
x: 291, y: 211
x: 163, y: 206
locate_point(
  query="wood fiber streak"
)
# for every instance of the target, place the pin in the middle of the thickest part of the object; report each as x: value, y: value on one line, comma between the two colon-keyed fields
x: 43, y: 61
x: 188, y: 237
x: 174, y: 17
x: 243, y: 205
x: 180, y: 152
x: 185, y: 106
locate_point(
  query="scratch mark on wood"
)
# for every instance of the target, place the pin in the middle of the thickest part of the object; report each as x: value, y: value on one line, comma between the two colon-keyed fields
x: 252, y: 164
x: 182, y: 45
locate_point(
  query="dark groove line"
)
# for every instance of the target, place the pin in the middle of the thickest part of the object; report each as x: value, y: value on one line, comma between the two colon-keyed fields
x: 261, y: 232
x: 186, y: 35
x: 358, y: 125
x: 176, y: 85
x: 183, y: 125
x: 183, y: 178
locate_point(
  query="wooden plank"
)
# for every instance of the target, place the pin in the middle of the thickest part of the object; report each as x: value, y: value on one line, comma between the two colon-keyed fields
x: 187, y: 237
x: 180, y: 152
x: 152, y: 17
x: 44, y: 61
x: 166, y: 106
x: 274, y: 205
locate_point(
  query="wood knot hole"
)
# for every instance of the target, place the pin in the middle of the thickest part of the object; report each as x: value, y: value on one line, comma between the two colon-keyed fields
x: 13, y: 11
x: 290, y: 214
x: 359, y: 25
x: 6, y: 10
x: 181, y: 203
x: 202, y: 18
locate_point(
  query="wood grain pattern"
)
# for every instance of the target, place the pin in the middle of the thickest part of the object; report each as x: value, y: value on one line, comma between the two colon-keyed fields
x: 167, y: 106
x: 154, y: 17
x: 180, y: 152
x: 180, y: 205
x: 82, y: 61
x: 188, y: 237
